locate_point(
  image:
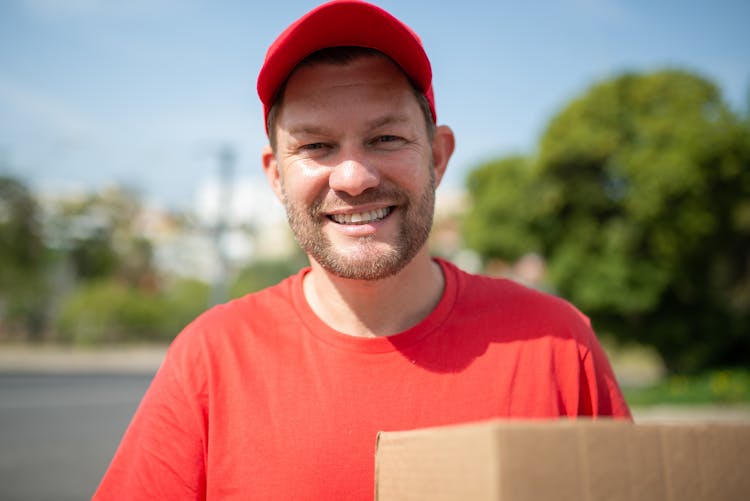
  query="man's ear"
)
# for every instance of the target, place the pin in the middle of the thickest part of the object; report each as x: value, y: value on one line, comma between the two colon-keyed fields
x: 443, y: 145
x: 271, y: 169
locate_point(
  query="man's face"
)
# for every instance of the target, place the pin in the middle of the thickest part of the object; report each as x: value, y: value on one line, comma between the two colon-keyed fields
x: 355, y: 167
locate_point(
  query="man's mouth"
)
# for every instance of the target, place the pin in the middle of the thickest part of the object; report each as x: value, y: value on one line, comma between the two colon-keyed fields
x: 361, y: 217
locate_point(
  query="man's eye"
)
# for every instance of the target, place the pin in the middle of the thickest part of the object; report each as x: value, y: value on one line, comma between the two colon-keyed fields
x: 312, y: 146
x: 386, y: 139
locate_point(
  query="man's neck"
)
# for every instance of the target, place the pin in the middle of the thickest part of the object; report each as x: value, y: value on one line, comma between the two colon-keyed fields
x: 374, y: 308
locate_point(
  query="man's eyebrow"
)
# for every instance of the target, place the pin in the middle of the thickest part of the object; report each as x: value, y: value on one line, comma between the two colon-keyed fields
x: 388, y: 120
x: 307, y: 129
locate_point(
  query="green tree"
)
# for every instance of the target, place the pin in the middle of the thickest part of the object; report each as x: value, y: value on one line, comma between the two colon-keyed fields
x: 22, y: 261
x: 111, y: 311
x: 99, y: 232
x: 639, y: 198
x: 501, y: 224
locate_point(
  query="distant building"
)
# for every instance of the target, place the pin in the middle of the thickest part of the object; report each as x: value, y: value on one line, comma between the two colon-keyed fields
x: 223, y: 231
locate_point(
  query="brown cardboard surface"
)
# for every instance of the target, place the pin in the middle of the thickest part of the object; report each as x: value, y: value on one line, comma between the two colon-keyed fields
x: 577, y: 460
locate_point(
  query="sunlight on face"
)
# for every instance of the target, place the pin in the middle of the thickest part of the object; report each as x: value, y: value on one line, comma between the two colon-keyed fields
x: 356, y: 169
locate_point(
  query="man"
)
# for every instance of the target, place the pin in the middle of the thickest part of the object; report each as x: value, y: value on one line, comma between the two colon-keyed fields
x: 280, y: 394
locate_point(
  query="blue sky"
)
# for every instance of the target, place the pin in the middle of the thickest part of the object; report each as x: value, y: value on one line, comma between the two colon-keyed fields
x: 145, y: 92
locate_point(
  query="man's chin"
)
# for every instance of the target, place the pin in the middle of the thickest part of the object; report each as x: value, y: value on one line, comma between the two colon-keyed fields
x: 373, y: 266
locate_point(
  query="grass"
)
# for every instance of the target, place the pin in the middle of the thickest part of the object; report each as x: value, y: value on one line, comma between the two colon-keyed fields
x: 715, y: 387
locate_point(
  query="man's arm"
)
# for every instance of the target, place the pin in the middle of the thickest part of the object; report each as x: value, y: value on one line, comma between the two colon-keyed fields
x: 162, y: 454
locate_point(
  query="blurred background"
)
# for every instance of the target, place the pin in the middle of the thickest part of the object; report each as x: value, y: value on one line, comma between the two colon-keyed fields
x: 603, y: 154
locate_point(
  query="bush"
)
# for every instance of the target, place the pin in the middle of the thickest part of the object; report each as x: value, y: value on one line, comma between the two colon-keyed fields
x: 109, y: 311
x: 723, y: 386
x: 185, y: 300
x: 262, y: 274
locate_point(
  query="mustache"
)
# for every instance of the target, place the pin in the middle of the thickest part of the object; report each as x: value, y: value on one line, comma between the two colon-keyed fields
x: 334, y: 200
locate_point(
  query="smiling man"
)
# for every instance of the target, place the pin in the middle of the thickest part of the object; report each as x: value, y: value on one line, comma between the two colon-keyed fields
x: 356, y: 163
x: 280, y: 394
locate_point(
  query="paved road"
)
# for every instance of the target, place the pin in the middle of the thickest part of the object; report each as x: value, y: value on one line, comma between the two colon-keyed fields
x: 59, y: 431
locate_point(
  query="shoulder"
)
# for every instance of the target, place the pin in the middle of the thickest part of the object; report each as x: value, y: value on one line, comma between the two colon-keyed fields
x: 504, y: 302
x: 485, y: 289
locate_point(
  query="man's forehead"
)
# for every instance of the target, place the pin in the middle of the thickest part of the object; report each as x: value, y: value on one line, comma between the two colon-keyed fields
x: 366, y: 68
x: 373, y: 85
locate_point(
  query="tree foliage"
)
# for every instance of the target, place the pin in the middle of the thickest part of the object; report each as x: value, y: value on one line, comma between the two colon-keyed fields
x: 639, y: 198
x: 501, y: 191
x: 111, y: 311
x: 100, y: 235
x: 22, y: 260
x: 260, y: 274
x: 80, y: 269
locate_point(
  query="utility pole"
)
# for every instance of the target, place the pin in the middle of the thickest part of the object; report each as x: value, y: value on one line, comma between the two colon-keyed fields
x: 220, y: 286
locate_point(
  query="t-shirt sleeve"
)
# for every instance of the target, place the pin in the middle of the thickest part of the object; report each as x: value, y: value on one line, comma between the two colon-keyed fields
x: 600, y: 393
x: 162, y: 454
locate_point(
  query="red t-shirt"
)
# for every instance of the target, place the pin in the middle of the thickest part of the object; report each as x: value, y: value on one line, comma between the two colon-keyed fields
x: 259, y: 399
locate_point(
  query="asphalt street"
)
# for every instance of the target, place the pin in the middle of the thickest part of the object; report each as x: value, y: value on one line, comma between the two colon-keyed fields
x: 58, y: 432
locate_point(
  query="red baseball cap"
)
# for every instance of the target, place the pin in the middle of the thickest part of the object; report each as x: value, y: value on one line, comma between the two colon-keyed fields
x: 344, y: 23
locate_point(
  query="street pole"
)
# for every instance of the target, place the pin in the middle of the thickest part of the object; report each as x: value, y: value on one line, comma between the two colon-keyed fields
x: 220, y: 286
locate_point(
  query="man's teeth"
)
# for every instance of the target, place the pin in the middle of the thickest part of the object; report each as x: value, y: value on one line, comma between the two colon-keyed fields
x: 361, y: 217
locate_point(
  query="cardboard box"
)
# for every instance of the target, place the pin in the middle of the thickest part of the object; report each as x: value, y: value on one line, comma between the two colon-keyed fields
x: 564, y: 460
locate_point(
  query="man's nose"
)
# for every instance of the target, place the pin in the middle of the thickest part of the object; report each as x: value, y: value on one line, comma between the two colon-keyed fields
x: 353, y: 175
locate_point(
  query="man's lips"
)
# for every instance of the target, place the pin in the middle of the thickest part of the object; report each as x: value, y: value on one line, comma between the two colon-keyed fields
x: 365, y: 217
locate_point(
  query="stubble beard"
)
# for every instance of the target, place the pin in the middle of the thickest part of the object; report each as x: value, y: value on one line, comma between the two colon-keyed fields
x: 371, y: 260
